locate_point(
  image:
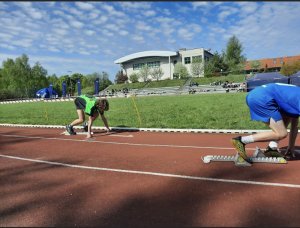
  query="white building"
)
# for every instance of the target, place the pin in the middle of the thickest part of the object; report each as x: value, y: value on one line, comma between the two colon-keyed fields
x: 166, y: 60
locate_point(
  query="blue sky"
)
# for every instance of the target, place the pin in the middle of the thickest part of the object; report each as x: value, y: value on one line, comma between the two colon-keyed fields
x: 86, y: 37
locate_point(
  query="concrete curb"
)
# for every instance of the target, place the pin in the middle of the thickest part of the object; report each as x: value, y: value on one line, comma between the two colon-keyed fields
x: 224, y: 131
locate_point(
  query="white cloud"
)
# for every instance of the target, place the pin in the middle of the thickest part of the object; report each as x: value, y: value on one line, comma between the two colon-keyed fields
x: 84, y: 5
x: 100, y: 20
x: 189, y: 31
x: 89, y: 32
x: 7, y: 46
x: 3, y: 5
x: 112, y: 12
x: 226, y: 12
x: 138, y: 38
x: 142, y: 26
x: 53, y: 49
x: 89, y: 28
x: 200, y: 4
x: 247, y: 8
x: 22, y: 42
x: 76, y: 24
x: 149, y: 13
x: 123, y: 32
x: 135, y: 5
x: 93, y: 15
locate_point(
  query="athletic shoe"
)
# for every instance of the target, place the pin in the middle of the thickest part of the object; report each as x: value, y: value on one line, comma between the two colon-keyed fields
x: 269, y: 152
x: 240, y: 147
x: 70, y: 130
x: 85, y: 127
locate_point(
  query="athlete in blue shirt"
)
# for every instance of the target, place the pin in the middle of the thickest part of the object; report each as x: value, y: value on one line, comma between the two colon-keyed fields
x: 277, y: 105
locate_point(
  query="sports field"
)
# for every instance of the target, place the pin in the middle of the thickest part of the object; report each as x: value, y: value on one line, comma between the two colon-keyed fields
x: 140, y: 178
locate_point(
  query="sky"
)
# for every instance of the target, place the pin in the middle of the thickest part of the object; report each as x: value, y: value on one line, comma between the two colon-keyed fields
x: 86, y: 37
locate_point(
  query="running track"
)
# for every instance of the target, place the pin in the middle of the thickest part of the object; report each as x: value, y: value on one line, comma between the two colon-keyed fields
x: 139, y: 179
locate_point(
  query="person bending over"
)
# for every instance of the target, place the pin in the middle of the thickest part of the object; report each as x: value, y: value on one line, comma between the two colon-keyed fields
x: 91, y: 106
x: 277, y: 105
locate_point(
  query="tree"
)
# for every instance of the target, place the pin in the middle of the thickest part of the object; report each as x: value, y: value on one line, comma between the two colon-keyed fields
x: 121, y: 77
x: 233, y: 56
x: 157, y: 73
x: 180, y: 71
x: 144, y: 73
x: 255, y: 64
x: 134, y: 77
x: 23, y: 75
x: 290, y: 69
x: 20, y: 79
x: 39, y: 78
x: 104, y: 81
x: 197, y: 67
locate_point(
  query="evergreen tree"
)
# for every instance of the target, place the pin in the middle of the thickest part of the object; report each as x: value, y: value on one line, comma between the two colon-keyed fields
x: 233, y: 55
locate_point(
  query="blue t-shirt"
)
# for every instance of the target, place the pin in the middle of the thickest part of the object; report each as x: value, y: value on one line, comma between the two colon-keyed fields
x: 270, y: 100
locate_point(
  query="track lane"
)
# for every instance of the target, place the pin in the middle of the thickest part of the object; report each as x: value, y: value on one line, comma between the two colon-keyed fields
x: 113, y: 198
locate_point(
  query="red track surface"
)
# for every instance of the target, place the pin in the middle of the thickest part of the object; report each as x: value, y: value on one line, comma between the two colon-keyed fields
x: 162, y: 191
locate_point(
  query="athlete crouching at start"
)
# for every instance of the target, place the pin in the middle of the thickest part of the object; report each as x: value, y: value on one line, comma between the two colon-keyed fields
x: 277, y: 105
x: 91, y: 106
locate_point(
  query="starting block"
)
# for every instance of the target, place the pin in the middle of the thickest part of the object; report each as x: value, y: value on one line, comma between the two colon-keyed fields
x: 258, y: 157
x: 77, y: 133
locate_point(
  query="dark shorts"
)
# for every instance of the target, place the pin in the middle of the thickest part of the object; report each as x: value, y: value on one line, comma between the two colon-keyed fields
x: 80, y: 103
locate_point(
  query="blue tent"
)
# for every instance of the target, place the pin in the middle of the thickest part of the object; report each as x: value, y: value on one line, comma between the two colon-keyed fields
x: 265, y: 78
x: 295, y: 79
x: 45, y: 93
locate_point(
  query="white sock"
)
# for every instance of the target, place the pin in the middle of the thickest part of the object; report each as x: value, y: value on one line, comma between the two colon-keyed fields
x: 273, y: 144
x: 247, y: 139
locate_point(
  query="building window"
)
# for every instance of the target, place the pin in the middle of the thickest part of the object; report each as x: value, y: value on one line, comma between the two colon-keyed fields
x: 281, y: 60
x: 274, y: 61
x: 138, y: 66
x: 187, y: 60
x: 198, y: 57
x: 155, y: 64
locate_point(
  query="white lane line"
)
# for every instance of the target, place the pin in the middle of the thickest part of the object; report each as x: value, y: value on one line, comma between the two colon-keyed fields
x: 156, y: 174
x: 124, y: 143
x: 125, y: 136
x: 85, y: 133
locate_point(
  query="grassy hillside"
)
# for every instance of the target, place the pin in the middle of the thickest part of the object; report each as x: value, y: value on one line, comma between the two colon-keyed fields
x: 177, y: 82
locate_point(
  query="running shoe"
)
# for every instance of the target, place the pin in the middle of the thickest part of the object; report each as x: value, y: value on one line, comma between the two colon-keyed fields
x: 85, y: 127
x: 70, y: 130
x: 240, y: 147
x: 269, y: 152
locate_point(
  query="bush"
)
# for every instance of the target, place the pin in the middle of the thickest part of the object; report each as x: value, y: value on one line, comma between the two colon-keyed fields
x: 7, y: 94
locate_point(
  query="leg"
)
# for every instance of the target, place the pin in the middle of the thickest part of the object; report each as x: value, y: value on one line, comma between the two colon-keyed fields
x: 278, y: 132
x: 273, y: 145
x: 81, y: 118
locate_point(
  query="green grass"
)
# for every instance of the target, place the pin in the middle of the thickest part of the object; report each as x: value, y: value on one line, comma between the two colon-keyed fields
x: 197, y: 111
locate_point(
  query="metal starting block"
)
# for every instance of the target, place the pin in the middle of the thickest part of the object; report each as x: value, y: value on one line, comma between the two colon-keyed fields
x: 77, y: 133
x: 258, y: 156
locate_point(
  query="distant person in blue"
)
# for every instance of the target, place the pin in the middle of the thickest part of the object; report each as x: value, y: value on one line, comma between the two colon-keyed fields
x: 277, y: 105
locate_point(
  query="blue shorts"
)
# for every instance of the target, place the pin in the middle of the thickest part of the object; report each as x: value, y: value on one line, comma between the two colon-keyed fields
x: 262, y: 106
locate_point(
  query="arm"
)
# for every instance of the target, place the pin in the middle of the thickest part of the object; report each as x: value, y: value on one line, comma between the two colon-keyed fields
x: 105, y: 121
x: 90, y: 123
